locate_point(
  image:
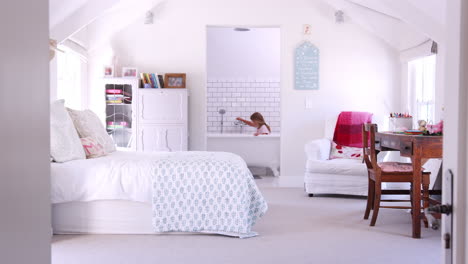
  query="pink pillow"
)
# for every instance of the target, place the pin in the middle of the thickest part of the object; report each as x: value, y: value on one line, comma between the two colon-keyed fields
x: 344, y: 152
x: 92, y: 148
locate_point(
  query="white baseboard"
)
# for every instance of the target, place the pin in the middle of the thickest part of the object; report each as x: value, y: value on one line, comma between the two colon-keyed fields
x: 291, y: 181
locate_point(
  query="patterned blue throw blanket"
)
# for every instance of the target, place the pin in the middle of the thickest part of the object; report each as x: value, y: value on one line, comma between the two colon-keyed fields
x: 207, y: 192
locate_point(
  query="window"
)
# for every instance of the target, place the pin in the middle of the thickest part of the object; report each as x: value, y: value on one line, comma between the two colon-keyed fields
x: 421, y: 83
x: 71, y: 74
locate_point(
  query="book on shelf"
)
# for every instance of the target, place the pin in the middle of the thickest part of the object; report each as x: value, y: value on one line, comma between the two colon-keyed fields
x: 151, y: 80
x: 114, y: 101
x: 113, y: 91
x: 161, y: 81
x: 144, y: 79
x: 117, y: 124
x: 154, y: 80
x: 123, y: 123
x: 148, y: 79
x: 114, y: 95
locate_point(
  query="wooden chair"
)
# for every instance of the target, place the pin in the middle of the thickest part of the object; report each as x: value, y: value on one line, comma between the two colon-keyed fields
x: 387, y: 172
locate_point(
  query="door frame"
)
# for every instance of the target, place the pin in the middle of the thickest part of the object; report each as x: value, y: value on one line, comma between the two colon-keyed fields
x: 455, y: 138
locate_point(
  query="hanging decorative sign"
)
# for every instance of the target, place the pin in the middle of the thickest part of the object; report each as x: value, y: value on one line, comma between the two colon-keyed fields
x: 306, y: 67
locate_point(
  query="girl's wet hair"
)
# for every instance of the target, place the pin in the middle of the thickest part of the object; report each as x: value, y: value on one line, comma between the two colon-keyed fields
x: 260, y: 120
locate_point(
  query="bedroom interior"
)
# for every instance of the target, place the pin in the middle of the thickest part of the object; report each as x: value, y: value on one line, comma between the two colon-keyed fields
x: 234, y: 131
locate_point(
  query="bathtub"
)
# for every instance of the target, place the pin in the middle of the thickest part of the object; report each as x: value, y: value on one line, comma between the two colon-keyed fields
x: 262, y: 151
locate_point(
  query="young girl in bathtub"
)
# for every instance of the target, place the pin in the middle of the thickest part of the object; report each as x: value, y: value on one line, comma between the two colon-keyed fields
x: 258, y: 122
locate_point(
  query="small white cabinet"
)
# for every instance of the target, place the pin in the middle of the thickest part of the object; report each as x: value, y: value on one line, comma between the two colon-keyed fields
x: 162, y: 120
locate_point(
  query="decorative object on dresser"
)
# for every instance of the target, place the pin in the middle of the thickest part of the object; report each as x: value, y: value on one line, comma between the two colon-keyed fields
x: 161, y: 120
x: 174, y: 80
x: 108, y: 71
x: 129, y: 72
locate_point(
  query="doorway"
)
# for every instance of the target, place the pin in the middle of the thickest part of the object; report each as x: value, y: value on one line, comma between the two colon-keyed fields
x: 243, y: 77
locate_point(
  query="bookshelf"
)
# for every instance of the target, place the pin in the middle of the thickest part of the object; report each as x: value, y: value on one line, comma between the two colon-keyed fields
x: 145, y: 119
x: 119, y: 93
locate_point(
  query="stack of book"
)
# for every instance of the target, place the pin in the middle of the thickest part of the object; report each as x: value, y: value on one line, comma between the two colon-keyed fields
x: 118, y: 96
x: 116, y: 124
x: 114, y: 98
x: 151, y: 80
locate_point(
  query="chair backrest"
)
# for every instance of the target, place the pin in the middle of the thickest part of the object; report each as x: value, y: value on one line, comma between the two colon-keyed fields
x: 368, y: 146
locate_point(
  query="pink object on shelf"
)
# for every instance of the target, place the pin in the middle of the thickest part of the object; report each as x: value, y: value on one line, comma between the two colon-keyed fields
x: 348, y: 130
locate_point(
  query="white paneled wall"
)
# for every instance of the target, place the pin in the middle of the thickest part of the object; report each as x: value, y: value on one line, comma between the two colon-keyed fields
x: 241, y: 97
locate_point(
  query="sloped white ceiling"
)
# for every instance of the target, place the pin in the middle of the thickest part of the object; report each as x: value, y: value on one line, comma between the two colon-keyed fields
x: 434, y: 8
x: 402, y: 24
x: 61, y: 9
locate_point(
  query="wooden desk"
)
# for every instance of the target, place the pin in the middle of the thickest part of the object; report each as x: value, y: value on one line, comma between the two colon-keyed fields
x: 418, y: 148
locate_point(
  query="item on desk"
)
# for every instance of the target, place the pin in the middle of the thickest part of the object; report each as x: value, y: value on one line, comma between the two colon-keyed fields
x: 401, y: 115
x: 436, y: 130
x: 422, y: 125
x: 413, y: 132
x: 400, y: 122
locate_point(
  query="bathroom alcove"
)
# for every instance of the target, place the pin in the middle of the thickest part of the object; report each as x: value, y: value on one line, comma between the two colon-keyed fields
x: 243, y: 77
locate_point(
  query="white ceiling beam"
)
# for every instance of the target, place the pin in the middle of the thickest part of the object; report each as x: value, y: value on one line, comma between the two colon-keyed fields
x: 79, y: 19
x: 413, y: 16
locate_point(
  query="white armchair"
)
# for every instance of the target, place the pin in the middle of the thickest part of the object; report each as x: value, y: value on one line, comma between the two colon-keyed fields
x: 336, y: 176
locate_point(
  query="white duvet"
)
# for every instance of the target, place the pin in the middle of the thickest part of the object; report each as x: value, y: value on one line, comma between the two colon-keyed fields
x: 121, y: 175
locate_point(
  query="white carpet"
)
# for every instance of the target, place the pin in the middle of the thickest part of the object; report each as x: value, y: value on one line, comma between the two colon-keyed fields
x: 297, y: 229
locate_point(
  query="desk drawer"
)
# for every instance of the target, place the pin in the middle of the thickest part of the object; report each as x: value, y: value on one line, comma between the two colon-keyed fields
x: 388, y: 143
x: 406, y: 148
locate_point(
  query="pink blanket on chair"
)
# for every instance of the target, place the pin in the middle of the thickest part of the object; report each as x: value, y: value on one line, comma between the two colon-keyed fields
x: 348, y: 130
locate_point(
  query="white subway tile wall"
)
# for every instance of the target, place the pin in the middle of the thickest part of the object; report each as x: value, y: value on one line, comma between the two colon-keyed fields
x: 240, y: 98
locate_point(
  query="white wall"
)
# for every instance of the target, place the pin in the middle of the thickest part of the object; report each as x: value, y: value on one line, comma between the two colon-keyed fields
x: 417, y: 52
x: 25, y: 229
x: 358, y: 71
x: 243, y: 54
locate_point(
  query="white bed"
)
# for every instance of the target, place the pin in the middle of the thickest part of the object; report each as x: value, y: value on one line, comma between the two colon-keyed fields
x: 108, y: 195
x: 102, y: 217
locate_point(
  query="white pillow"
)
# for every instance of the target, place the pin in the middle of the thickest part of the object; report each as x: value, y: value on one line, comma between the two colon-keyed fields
x: 344, y: 152
x: 88, y: 124
x: 92, y: 148
x: 65, y: 143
